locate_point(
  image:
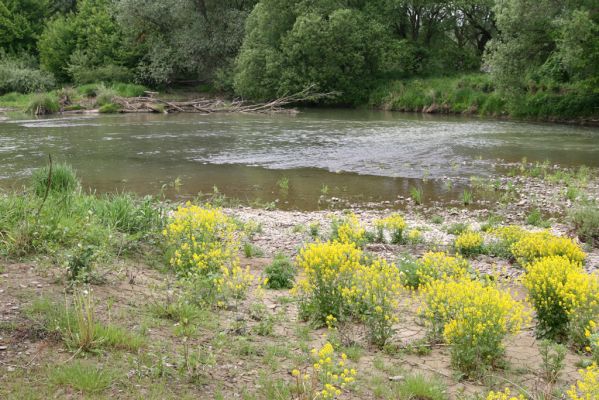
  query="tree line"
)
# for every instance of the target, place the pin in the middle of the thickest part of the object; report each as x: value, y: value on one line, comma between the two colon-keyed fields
x: 263, y: 49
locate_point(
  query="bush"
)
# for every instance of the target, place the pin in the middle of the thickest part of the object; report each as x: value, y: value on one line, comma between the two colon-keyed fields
x: 535, y: 245
x: 104, y: 95
x: 129, y: 89
x: 109, y: 108
x: 585, y: 219
x: 504, y: 238
x: 338, y: 286
x: 201, y: 240
x: 280, y: 273
x: 17, y: 76
x: 565, y: 298
x: 328, y: 268
x: 347, y: 229
x: 63, y: 180
x: 395, y: 224
x: 473, y: 319
x: 437, y: 266
x: 469, y: 243
x: 42, y: 104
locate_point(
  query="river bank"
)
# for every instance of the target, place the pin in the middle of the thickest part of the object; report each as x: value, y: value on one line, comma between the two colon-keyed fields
x: 72, y: 261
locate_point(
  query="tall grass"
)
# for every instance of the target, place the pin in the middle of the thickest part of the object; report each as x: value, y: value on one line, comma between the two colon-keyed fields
x: 63, y: 180
x: 42, y: 104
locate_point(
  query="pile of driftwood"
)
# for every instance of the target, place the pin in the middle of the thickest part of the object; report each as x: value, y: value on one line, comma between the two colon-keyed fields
x: 150, y: 103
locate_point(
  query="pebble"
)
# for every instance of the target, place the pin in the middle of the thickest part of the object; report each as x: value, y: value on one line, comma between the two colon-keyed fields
x: 396, y: 378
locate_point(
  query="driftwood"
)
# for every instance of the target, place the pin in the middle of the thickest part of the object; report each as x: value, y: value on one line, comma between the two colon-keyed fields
x: 150, y: 103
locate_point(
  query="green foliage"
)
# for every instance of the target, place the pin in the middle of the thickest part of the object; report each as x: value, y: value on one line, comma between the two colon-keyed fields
x: 63, y: 180
x: 331, y: 50
x: 42, y: 104
x: 21, y: 22
x: 421, y: 387
x: 18, y: 75
x: 280, y: 273
x: 585, y: 219
x: 552, y: 359
x: 535, y: 218
x: 109, y: 108
x: 86, y: 45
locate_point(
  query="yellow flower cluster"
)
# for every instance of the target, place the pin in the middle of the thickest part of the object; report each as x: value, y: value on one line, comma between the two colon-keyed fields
x: 414, y: 236
x: 587, y: 388
x: 202, y: 240
x: 394, y: 223
x: 534, y: 245
x: 338, y: 284
x: 473, y: 319
x: 234, y: 283
x: 438, y: 265
x: 469, y: 243
x: 565, y: 298
x: 327, y: 377
x: 505, y: 395
x: 348, y: 230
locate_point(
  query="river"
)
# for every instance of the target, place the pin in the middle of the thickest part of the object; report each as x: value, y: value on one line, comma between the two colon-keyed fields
x: 354, y: 155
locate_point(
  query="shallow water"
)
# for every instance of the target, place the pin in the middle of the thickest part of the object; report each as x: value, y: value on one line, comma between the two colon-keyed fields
x: 359, y: 156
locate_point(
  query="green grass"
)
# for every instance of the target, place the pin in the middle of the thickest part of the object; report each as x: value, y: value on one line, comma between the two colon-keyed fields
x: 476, y: 94
x: 42, y: 104
x: 82, y: 376
x: 420, y: 387
x: 63, y: 179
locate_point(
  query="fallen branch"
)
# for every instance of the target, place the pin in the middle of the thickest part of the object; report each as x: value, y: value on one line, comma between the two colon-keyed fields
x: 207, y: 105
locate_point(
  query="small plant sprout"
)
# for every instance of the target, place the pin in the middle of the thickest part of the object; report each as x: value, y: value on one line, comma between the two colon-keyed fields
x: 416, y: 194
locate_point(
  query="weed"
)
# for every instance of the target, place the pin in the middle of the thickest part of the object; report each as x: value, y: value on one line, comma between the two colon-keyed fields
x: 467, y: 197
x: 283, y: 184
x: 457, y: 228
x: 250, y: 250
x: 535, y: 218
x: 422, y: 388
x: 437, y: 219
x: 280, y: 273
x: 416, y: 194
x: 552, y: 360
x: 82, y: 376
x: 584, y: 218
x: 42, y: 104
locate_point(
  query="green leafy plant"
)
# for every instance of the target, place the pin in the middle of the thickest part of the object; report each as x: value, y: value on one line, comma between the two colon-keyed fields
x: 280, y: 273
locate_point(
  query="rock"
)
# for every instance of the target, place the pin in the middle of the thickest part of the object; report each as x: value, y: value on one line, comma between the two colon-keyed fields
x: 3, y: 348
x: 396, y: 378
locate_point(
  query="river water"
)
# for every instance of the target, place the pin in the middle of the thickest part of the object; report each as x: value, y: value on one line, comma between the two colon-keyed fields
x: 359, y: 156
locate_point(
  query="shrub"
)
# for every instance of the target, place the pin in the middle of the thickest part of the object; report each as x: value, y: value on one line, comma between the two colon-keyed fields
x: 17, y: 76
x: 565, y: 298
x: 347, y: 229
x: 504, y: 238
x: 457, y: 228
x: 535, y: 218
x: 395, y: 224
x: 63, y: 180
x: 438, y: 265
x: 232, y: 283
x: 129, y: 89
x: 280, y: 273
x: 83, y: 74
x: 104, y: 95
x: 42, y: 104
x: 375, y: 295
x: 337, y: 285
x: 326, y: 377
x: 201, y: 240
x: 109, y: 108
x: 473, y: 319
x: 534, y: 245
x: 587, y: 387
x: 469, y: 243
x: 328, y: 268
x: 585, y: 219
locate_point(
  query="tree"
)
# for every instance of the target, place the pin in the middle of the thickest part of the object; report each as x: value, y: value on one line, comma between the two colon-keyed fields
x: 184, y: 39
